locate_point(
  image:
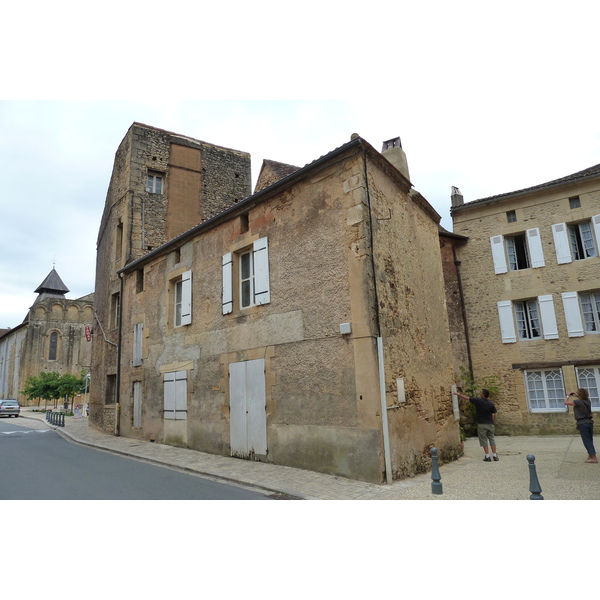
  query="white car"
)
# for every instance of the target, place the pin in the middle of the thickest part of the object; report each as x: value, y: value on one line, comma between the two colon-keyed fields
x: 9, y: 408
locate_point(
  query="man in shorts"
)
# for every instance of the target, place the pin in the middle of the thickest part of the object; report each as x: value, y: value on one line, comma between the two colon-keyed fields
x: 485, y: 411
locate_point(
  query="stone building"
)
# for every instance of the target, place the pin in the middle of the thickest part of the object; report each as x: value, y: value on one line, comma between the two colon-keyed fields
x: 304, y: 325
x: 162, y: 184
x: 530, y: 274
x: 51, y: 338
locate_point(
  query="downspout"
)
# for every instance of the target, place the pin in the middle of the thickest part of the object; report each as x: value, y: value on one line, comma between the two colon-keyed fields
x: 380, y: 361
x: 463, y: 311
x: 118, y: 382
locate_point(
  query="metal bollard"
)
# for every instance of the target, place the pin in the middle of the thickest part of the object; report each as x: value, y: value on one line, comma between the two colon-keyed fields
x: 534, y: 484
x: 436, y: 484
x: 62, y: 419
x: 48, y: 413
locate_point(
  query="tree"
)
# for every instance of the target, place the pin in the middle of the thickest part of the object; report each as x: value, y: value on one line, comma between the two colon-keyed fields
x: 44, y: 386
x: 69, y: 386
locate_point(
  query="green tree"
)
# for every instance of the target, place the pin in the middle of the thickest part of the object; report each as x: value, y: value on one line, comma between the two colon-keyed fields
x: 45, y: 386
x: 70, y: 385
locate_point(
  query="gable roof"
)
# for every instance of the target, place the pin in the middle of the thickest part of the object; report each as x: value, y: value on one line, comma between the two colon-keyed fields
x: 272, y: 171
x: 588, y: 173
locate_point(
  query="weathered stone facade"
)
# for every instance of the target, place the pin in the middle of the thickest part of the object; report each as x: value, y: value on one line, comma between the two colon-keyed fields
x: 51, y: 338
x: 353, y: 269
x: 521, y: 318
x: 162, y: 185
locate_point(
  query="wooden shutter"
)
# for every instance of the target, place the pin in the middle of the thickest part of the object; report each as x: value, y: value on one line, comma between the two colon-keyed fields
x: 498, y: 255
x: 596, y: 225
x: 507, y: 324
x: 536, y: 253
x: 572, y: 314
x: 186, y: 298
x: 138, y: 329
x: 137, y: 404
x: 262, y: 294
x: 548, y: 317
x: 175, y: 395
x: 561, y: 243
x: 227, y: 299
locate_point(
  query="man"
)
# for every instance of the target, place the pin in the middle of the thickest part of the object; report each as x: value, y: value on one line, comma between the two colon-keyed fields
x: 582, y: 412
x: 485, y: 411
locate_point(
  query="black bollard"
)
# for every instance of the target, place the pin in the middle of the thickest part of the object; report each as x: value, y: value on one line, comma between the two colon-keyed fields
x: 436, y: 484
x: 534, y: 484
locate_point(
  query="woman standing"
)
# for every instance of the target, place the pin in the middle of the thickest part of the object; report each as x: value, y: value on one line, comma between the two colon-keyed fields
x: 583, y: 416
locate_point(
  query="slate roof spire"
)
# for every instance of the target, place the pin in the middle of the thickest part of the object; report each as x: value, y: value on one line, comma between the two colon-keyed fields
x: 52, y: 286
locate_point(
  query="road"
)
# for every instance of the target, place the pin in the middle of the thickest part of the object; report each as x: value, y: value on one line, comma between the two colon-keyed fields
x: 41, y: 465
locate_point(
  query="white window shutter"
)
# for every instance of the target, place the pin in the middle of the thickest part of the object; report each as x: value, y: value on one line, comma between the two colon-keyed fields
x: 507, y: 323
x: 227, y: 283
x: 561, y: 243
x: 596, y: 225
x: 536, y: 253
x: 169, y: 395
x: 186, y: 298
x: 262, y: 293
x: 138, y: 329
x: 548, y: 317
x: 181, y: 395
x: 498, y: 255
x: 572, y: 314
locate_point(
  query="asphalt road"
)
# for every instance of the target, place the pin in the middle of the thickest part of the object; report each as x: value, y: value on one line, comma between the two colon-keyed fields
x: 41, y: 465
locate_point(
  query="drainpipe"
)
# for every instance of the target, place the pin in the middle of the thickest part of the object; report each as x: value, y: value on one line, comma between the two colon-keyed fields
x: 118, y: 382
x: 384, y: 418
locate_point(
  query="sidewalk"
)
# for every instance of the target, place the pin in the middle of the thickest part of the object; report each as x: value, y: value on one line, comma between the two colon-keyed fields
x: 559, y: 461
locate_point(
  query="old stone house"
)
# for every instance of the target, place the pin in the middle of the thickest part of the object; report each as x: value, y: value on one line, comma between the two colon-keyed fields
x: 52, y: 337
x: 303, y: 325
x: 530, y: 274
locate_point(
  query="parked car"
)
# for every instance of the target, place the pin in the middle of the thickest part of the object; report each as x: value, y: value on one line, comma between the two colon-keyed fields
x: 9, y: 408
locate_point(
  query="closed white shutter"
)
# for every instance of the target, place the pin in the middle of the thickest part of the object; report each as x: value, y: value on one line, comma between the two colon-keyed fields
x: 548, y: 317
x: 572, y: 314
x: 596, y: 224
x: 536, y: 253
x: 507, y: 323
x: 186, y: 298
x: 227, y: 283
x: 169, y: 395
x: 561, y: 243
x: 175, y: 395
x: 262, y: 293
x: 138, y: 329
x: 137, y: 404
x: 498, y: 255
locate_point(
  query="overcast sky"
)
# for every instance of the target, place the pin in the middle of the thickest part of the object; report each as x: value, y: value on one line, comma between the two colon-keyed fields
x: 487, y: 101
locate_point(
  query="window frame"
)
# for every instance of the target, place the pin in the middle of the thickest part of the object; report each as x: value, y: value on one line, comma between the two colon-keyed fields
x: 53, y: 347
x: 544, y: 388
x: 504, y: 248
x: 153, y: 177
x: 182, y: 299
x: 528, y: 307
x: 584, y: 380
x: 594, y: 312
x: 175, y: 394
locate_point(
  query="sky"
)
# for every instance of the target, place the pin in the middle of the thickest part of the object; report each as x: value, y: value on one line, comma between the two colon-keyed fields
x: 490, y: 100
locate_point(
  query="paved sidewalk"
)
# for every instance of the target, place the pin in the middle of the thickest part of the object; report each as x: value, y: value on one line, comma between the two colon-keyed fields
x: 559, y: 461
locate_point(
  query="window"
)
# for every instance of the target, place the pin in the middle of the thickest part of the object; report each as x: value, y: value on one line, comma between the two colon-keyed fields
x: 518, y: 256
x: 111, y: 389
x: 575, y: 241
x: 574, y: 202
x: 115, y: 305
x: 175, y: 395
x: 511, y: 216
x: 139, y: 280
x: 528, y: 320
x: 589, y: 378
x: 182, y: 291
x: 119, y: 241
x: 251, y: 267
x: 53, y: 346
x: 545, y: 390
x: 155, y: 183
x: 138, y: 330
x: 516, y: 252
x: 590, y: 309
x: 582, y: 240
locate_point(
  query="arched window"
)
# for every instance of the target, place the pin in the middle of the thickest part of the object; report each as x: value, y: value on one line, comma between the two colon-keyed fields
x: 53, y: 345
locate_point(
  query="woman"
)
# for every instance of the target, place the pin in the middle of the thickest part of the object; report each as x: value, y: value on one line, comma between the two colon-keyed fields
x: 583, y: 415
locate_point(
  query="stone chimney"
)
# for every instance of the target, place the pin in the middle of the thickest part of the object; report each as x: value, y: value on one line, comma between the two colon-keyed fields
x: 456, y: 196
x: 392, y: 150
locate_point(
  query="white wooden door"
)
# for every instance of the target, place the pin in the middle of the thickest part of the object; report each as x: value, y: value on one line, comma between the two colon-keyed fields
x: 137, y: 404
x: 247, y: 405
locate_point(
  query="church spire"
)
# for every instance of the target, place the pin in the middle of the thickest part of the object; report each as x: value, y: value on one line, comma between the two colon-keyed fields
x: 51, y: 286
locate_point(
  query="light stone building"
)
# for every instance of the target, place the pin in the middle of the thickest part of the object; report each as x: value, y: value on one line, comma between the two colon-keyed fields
x: 530, y: 274
x: 304, y: 325
x: 52, y: 337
